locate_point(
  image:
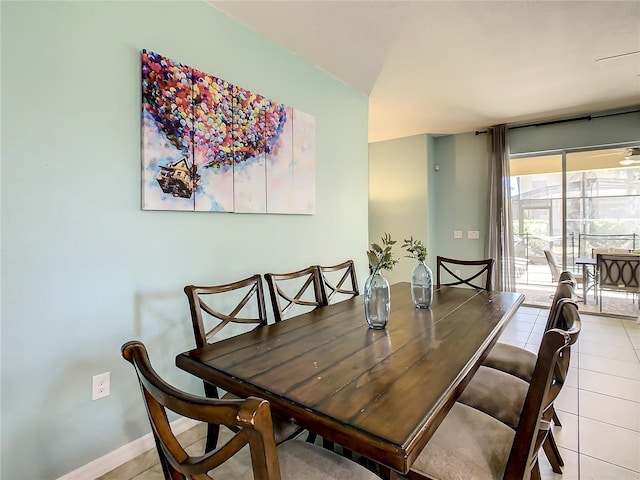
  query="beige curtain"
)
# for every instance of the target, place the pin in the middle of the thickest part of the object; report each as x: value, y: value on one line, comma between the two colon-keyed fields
x: 500, y: 235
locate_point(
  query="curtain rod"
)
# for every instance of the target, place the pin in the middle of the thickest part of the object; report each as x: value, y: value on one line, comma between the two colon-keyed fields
x: 553, y: 122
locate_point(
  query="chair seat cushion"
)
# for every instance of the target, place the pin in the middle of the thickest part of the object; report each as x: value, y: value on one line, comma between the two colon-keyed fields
x: 303, y: 461
x: 512, y: 360
x: 468, y: 444
x: 496, y: 393
x: 283, y: 429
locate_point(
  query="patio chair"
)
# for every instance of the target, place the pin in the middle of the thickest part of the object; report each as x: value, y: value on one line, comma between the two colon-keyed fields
x: 556, y: 271
x: 619, y: 273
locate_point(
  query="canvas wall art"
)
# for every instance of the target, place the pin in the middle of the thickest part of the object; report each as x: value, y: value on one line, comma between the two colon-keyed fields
x: 209, y: 145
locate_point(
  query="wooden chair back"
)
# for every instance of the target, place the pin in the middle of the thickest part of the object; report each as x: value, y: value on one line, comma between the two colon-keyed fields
x: 549, y: 375
x: 288, y: 291
x: 564, y: 291
x: 473, y: 279
x: 339, y: 281
x: 223, y: 305
x: 250, y: 418
x: 567, y: 276
x: 213, y: 308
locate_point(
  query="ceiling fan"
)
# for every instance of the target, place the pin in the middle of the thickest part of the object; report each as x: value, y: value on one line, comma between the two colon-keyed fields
x: 632, y: 157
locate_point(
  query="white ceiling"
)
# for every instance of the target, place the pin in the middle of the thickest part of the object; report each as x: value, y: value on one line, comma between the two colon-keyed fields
x: 446, y: 67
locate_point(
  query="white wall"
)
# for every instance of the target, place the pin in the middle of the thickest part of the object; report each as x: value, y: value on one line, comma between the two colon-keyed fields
x: 83, y: 268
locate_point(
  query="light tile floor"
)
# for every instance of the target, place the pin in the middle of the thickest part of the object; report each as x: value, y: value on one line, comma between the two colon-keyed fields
x: 599, y: 407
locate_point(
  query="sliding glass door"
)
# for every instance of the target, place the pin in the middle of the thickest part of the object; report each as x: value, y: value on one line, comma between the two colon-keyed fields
x: 567, y: 204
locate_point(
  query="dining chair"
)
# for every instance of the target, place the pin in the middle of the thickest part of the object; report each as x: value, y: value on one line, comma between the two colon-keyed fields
x: 339, y: 281
x: 335, y: 281
x: 249, y: 419
x: 473, y: 279
x: 235, y: 307
x: 520, y: 362
x: 502, y: 395
x: 568, y: 277
x: 296, y: 292
x: 471, y: 444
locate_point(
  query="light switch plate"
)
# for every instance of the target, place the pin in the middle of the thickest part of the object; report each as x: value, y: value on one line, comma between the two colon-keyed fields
x: 457, y: 234
x: 473, y: 234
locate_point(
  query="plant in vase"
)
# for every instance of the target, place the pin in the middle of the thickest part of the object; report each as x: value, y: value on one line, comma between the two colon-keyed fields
x: 377, y: 298
x: 421, y: 276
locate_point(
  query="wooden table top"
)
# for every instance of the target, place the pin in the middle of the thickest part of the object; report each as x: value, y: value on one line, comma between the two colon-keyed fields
x: 381, y: 393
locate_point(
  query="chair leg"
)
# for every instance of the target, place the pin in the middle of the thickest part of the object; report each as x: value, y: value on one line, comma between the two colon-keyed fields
x: 347, y: 453
x: 556, y: 420
x: 385, y: 472
x: 168, y: 471
x: 213, y: 430
x: 328, y: 444
x: 535, y: 472
x: 553, y: 453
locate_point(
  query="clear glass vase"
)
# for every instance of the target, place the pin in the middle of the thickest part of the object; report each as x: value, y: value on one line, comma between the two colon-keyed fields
x: 377, y: 301
x: 421, y: 285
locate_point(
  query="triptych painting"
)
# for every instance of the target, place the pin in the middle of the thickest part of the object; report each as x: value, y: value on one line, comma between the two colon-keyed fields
x: 209, y: 145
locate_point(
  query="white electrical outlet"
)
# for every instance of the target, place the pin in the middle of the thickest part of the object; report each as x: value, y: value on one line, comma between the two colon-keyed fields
x: 101, y: 385
x: 473, y: 234
x: 457, y: 234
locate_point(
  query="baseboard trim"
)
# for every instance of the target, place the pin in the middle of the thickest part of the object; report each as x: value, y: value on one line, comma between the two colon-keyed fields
x: 122, y: 455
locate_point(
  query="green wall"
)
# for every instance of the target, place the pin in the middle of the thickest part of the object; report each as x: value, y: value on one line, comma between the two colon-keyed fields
x: 606, y: 128
x: 455, y: 195
x: 398, y: 197
x: 460, y: 193
x: 83, y: 268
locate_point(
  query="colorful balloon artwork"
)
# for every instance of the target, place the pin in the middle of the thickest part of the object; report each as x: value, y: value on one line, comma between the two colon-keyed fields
x: 222, y: 123
x: 202, y: 135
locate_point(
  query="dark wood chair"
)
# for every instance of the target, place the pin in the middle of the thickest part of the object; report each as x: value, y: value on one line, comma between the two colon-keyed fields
x: 473, y: 279
x: 520, y: 362
x: 339, y: 281
x: 471, y: 444
x: 249, y: 418
x: 331, y: 281
x: 568, y: 277
x: 215, y: 307
x: 618, y: 272
x: 289, y: 291
x: 502, y: 395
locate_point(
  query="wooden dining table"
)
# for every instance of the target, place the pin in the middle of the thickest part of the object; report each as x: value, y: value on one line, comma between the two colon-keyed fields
x: 380, y: 393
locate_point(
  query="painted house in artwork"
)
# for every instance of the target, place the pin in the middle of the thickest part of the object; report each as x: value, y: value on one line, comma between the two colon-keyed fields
x: 177, y: 179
